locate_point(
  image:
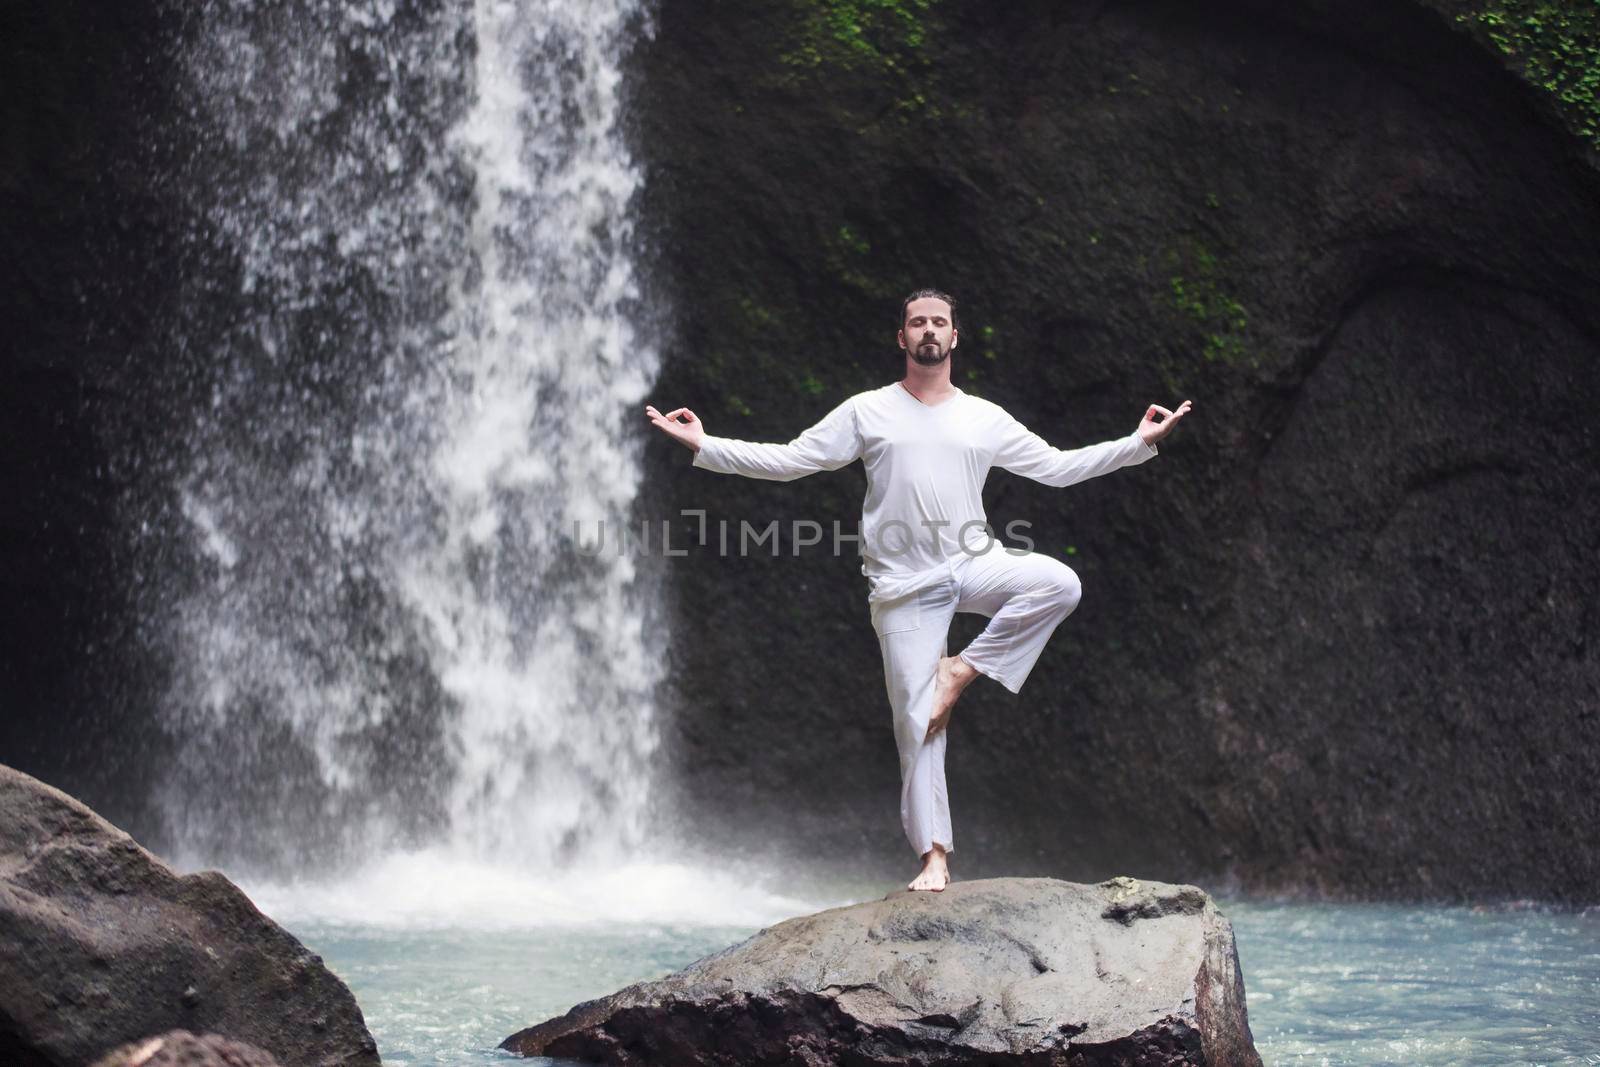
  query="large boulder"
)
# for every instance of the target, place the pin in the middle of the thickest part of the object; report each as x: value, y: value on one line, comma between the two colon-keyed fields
x: 997, y: 971
x: 102, y: 944
x: 179, y: 1048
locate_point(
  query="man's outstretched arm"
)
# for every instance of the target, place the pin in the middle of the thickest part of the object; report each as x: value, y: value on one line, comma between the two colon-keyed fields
x: 1026, y: 453
x: 829, y: 445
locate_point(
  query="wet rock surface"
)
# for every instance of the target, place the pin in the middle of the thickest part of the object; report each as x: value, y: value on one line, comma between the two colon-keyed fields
x: 102, y: 944
x: 180, y: 1048
x: 996, y: 971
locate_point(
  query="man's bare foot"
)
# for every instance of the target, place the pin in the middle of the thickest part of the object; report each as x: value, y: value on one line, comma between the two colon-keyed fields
x: 935, y: 872
x: 953, y: 677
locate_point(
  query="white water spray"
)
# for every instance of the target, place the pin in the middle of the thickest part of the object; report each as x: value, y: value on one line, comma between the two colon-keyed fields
x: 414, y: 313
x: 551, y: 670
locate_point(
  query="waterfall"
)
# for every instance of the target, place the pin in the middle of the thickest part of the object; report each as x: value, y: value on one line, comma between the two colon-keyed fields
x: 417, y: 348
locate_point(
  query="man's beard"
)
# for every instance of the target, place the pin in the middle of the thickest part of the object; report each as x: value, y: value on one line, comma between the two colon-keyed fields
x: 927, y: 358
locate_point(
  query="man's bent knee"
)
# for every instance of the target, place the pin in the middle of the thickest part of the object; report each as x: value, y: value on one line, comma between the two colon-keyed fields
x: 1065, y: 589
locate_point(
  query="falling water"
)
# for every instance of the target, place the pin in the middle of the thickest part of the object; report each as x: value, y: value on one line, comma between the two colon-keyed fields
x: 414, y: 331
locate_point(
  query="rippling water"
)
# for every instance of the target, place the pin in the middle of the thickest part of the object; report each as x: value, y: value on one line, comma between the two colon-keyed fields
x: 1388, y: 983
x: 448, y: 961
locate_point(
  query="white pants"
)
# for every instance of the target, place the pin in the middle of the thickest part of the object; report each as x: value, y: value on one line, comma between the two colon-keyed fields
x: 1026, y: 596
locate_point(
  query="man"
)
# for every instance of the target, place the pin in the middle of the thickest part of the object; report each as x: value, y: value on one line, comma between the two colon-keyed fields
x: 926, y: 547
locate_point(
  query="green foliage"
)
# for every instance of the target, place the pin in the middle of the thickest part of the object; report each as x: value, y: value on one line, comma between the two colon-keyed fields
x: 881, y: 39
x: 1555, y: 45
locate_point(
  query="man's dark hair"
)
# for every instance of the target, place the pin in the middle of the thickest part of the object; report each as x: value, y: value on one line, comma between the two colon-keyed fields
x: 922, y: 294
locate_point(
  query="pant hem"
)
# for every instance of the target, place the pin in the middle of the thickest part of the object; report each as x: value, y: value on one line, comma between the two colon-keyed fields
x: 990, y: 672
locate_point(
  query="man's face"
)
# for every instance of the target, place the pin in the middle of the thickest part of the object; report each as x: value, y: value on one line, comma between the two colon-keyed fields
x: 928, y: 334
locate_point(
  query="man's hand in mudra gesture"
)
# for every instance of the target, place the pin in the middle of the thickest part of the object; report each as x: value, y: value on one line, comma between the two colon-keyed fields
x: 1152, y: 431
x: 682, y: 425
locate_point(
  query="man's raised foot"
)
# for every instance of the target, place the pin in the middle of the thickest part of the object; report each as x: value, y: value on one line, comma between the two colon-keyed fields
x: 951, y: 680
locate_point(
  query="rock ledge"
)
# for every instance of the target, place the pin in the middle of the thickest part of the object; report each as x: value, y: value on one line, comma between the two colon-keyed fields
x: 1029, y: 971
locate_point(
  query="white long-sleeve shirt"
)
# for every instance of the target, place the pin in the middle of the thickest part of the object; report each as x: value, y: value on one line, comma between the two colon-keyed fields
x: 926, y: 466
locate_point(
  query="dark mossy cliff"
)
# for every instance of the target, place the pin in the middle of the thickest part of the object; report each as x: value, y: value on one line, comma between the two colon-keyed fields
x: 1341, y: 634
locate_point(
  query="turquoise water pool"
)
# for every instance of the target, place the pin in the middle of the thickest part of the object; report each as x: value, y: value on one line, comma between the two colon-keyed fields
x: 444, y: 975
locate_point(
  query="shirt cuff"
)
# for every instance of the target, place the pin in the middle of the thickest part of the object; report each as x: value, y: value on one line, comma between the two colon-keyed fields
x: 703, y: 454
x: 1146, y: 450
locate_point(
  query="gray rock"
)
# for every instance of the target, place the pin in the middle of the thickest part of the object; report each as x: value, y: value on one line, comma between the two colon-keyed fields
x: 998, y: 971
x: 102, y: 944
x: 180, y: 1048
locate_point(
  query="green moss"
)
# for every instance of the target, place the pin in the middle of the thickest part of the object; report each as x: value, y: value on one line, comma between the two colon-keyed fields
x: 812, y: 384
x: 849, y: 257
x: 1553, y: 44
x: 853, y: 241
x: 740, y: 355
x: 754, y: 314
x: 1198, y: 294
x: 877, y: 32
